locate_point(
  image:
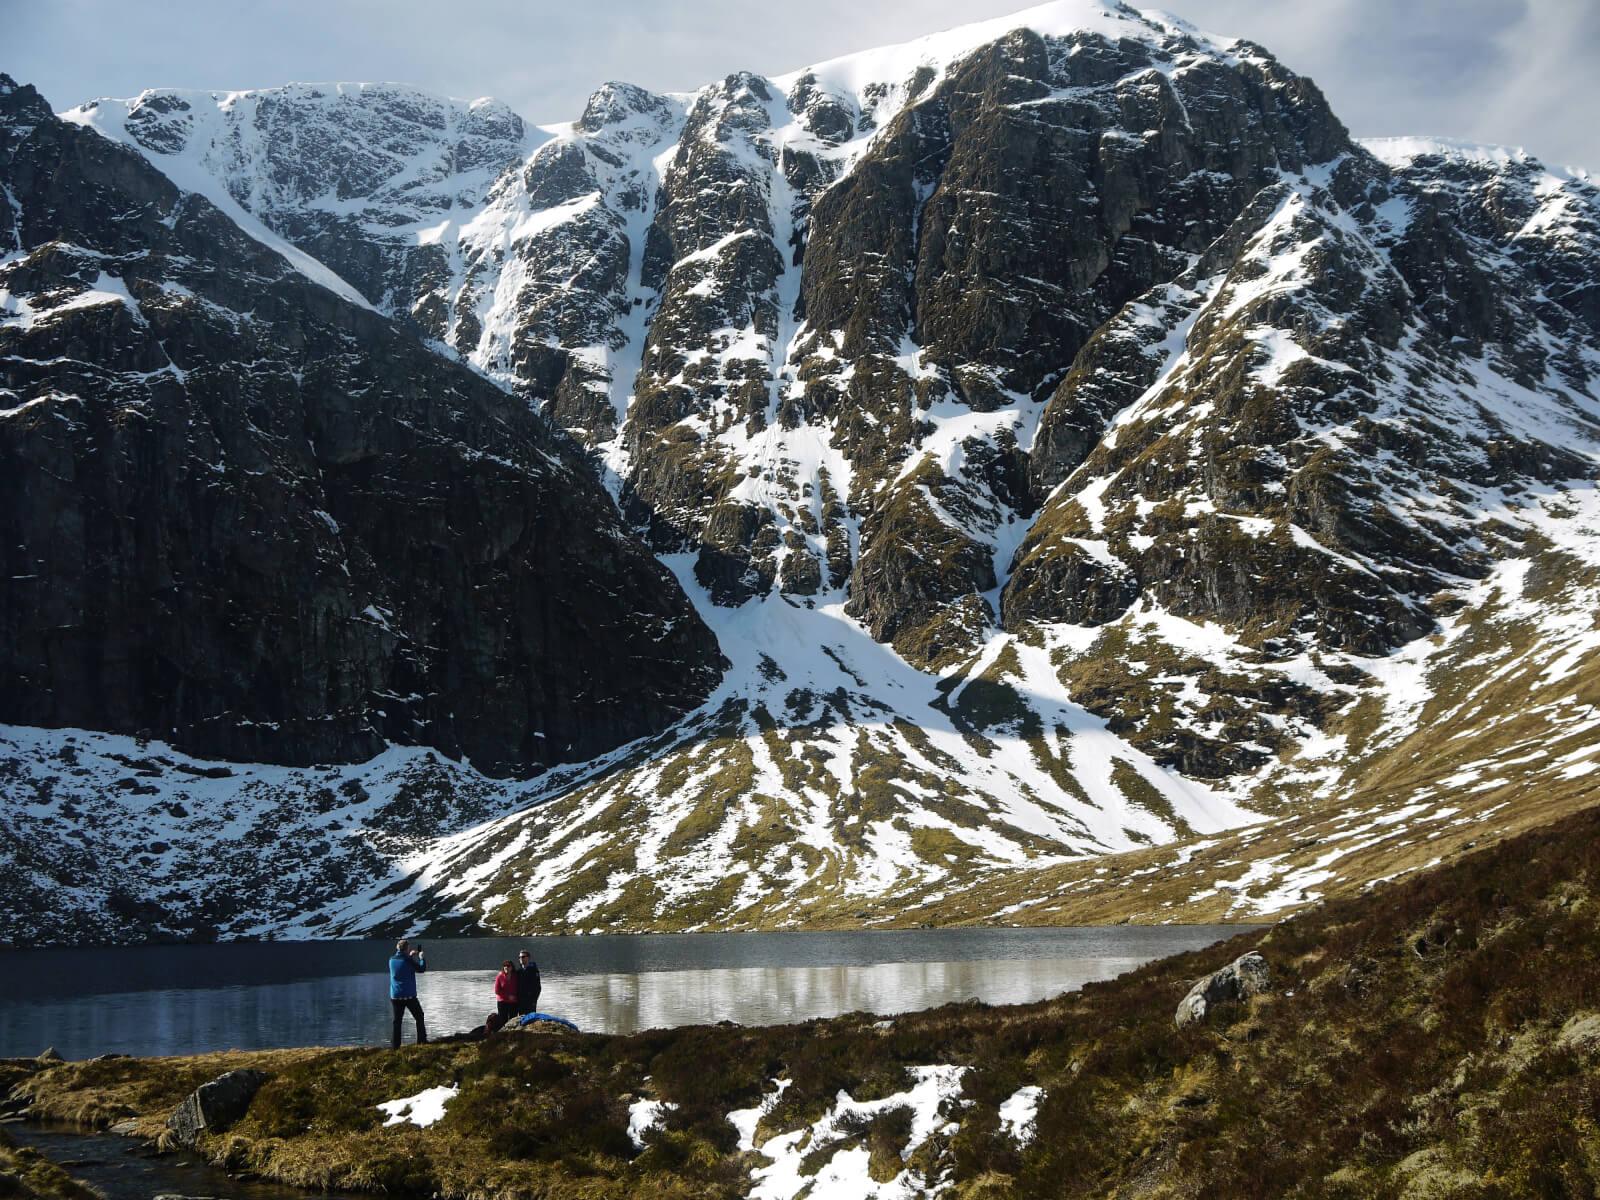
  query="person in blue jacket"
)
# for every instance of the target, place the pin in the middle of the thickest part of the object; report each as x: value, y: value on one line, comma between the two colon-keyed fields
x: 404, y: 967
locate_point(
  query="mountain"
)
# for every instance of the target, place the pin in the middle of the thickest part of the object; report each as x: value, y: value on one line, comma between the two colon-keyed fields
x: 1078, y: 444
x: 249, y: 517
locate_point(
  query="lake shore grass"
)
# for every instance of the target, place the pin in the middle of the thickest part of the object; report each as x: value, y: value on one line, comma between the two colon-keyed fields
x: 27, y: 1174
x: 1438, y: 1036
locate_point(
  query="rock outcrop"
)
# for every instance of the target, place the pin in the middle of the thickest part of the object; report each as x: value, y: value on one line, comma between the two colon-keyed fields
x: 1246, y: 976
x: 246, y: 516
x: 214, y: 1107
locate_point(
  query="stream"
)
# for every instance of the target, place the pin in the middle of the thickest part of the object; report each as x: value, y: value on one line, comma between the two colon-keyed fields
x: 123, y: 1170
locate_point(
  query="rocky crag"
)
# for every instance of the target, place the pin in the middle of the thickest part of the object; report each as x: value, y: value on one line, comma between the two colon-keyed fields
x: 1076, y: 441
x: 251, y: 517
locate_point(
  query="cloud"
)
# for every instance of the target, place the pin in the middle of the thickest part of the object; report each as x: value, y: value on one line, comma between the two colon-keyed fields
x: 1547, y: 95
x: 1512, y: 71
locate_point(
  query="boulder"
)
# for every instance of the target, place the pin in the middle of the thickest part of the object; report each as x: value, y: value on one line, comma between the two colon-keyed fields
x: 215, y: 1106
x: 49, y: 1055
x: 1581, y: 1034
x: 1246, y: 976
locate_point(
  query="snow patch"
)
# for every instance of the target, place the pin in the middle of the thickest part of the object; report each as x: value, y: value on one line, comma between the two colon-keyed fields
x: 424, y: 1109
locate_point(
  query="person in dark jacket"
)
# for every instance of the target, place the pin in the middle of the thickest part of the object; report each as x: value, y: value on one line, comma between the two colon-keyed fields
x: 527, y: 983
x: 505, y: 991
x: 404, y: 967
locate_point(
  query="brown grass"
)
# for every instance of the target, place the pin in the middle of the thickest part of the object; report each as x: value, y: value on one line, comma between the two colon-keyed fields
x: 25, y: 1174
x: 1419, y: 1041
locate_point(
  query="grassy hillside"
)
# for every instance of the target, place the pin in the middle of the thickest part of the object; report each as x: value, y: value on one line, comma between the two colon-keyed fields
x: 1435, y: 1037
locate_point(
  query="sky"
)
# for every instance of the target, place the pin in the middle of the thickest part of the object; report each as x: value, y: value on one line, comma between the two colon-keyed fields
x: 1515, y: 72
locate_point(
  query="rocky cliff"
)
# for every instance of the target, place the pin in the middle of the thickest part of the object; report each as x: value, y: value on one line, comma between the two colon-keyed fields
x: 253, y: 519
x: 1076, y: 440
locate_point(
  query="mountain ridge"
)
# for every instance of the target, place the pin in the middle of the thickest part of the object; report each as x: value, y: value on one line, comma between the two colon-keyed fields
x: 206, y: 456
x: 1176, y: 443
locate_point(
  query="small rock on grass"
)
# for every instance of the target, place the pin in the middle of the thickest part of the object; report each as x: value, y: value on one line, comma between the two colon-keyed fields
x: 1246, y: 976
x: 214, y: 1106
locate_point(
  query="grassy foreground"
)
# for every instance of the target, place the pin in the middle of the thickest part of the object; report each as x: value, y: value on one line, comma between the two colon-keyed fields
x: 1438, y: 1037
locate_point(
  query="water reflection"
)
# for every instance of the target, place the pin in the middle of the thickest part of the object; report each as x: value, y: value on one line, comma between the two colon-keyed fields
x: 773, y: 995
x: 603, y: 987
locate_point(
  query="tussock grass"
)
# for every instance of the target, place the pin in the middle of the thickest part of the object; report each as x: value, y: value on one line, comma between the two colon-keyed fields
x: 26, y: 1174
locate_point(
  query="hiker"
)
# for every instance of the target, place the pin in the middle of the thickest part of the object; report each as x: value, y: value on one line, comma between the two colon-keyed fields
x: 527, y: 983
x: 404, y: 967
x: 505, y: 991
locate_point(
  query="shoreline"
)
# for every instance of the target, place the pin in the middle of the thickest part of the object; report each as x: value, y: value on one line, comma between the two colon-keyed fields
x: 482, y: 935
x: 1473, y: 982
x: 329, y: 995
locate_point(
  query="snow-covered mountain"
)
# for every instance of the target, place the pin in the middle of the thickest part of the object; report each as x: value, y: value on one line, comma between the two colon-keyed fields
x: 248, y: 515
x: 1077, y: 443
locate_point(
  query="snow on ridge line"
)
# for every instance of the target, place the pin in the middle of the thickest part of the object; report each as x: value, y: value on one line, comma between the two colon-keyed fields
x: 301, y: 90
x: 894, y: 63
x: 1053, y: 19
x: 223, y: 122
x: 1403, y: 150
x: 188, y: 174
x: 191, y: 169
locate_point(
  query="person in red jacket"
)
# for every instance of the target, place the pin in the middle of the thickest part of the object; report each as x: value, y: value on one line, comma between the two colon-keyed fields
x: 505, y: 990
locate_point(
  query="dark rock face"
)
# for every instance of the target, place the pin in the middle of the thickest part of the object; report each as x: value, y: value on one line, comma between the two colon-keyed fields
x: 1279, y: 479
x: 1042, y: 215
x: 248, y: 517
x: 1001, y: 220
x: 215, y: 1107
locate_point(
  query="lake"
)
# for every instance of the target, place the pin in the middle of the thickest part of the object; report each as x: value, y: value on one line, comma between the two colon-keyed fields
x: 187, y: 999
